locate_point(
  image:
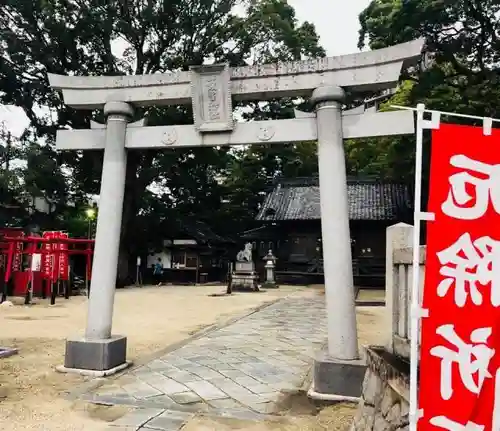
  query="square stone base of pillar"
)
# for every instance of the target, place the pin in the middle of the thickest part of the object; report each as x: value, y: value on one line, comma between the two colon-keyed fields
x: 269, y: 285
x: 98, y: 357
x: 336, y: 380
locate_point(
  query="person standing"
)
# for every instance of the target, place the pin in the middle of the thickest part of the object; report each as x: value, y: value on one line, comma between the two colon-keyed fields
x: 158, y: 272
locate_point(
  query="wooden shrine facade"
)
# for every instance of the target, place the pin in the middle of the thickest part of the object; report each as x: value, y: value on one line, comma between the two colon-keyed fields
x: 290, y: 225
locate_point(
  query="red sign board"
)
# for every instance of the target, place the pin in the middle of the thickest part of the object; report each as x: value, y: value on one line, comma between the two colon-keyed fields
x: 63, y: 258
x: 55, y: 263
x: 460, y: 345
x: 47, y: 257
x: 17, y: 260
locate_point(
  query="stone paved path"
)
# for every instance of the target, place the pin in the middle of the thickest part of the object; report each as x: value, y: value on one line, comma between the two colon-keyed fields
x: 238, y: 371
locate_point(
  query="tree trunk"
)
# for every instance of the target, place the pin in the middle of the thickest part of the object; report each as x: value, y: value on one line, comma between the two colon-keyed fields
x: 123, y: 274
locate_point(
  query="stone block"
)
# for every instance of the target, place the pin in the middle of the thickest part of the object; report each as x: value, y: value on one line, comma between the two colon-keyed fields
x: 388, y: 400
x: 186, y: 398
x: 372, y: 388
x: 166, y: 385
x: 394, y: 415
x: 225, y: 404
x: 244, y: 267
x: 380, y: 424
x: 169, y: 421
x: 160, y: 366
x: 182, y: 376
x: 335, y: 377
x: 206, y: 390
x: 141, y: 390
x: 136, y: 418
x: 244, y: 281
x: 95, y: 355
x: 364, y: 418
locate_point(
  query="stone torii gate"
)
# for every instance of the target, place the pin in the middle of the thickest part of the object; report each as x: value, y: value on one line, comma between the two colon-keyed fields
x: 211, y: 90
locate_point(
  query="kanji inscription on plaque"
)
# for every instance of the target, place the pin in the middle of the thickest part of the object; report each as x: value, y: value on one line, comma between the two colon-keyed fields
x: 211, y: 96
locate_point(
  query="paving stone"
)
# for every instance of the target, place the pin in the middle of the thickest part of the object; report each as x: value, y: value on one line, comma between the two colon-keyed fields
x: 166, y: 385
x: 158, y: 364
x: 247, y: 381
x: 163, y: 399
x: 195, y: 368
x: 176, y: 361
x: 181, y: 376
x: 233, y: 360
x: 270, y: 380
x: 260, y: 388
x: 233, y: 374
x: 141, y: 370
x: 264, y: 408
x: 136, y: 418
x: 198, y: 359
x: 186, y: 398
x: 167, y: 403
x: 208, y: 374
x: 169, y: 421
x: 247, y: 399
x: 244, y: 415
x: 206, y: 390
x: 228, y: 403
x: 271, y: 396
x: 222, y: 366
x: 238, y: 392
x: 140, y: 389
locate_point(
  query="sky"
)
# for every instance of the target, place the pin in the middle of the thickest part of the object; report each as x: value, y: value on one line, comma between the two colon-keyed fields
x: 336, y: 23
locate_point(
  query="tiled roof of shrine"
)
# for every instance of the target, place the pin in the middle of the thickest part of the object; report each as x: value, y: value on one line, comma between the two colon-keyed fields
x: 298, y: 199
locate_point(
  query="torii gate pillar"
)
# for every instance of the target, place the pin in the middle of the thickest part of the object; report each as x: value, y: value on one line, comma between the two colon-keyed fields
x: 99, y: 350
x: 337, y: 370
x: 336, y: 240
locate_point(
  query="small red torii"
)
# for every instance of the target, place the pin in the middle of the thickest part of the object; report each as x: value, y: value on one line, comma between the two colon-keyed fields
x: 13, y: 246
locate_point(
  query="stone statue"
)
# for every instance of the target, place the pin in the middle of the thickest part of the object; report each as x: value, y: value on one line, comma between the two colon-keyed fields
x: 245, y: 255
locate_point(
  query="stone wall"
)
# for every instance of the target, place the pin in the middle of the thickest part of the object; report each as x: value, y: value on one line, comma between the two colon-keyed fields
x: 384, y: 402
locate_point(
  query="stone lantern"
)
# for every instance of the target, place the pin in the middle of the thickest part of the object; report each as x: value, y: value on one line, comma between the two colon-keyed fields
x: 270, y: 281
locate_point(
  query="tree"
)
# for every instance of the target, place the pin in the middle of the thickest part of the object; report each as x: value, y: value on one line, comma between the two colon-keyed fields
x: 90, y: 37
x: 463, y: 37
x: 389, y: 157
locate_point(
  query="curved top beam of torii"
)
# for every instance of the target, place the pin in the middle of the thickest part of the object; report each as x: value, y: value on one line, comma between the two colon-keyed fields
x: 371, y: 70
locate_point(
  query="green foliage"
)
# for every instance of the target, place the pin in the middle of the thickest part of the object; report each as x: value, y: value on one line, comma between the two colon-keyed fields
x: 91, y: 37
x: 461, y: 73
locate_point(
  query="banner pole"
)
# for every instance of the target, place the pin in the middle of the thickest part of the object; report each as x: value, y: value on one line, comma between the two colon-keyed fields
x: 445, y: 113
x: 415, y: 294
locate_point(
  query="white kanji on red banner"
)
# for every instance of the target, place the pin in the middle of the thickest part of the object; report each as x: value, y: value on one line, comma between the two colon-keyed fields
x: 472, y: 359
x: 472, y: 263
x: 486, y: 183
x: 448, y: 424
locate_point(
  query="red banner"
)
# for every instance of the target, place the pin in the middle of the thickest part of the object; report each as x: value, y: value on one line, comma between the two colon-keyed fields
x: 17, y: 261
x: 47, y: 257
x: 55, y: 265
x: 63, y: 258
x: 460, y: 345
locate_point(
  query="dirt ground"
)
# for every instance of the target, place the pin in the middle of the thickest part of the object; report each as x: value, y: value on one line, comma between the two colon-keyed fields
x: 152, y: 318
x: 334, y: 418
